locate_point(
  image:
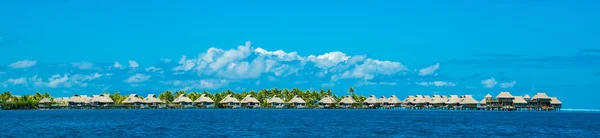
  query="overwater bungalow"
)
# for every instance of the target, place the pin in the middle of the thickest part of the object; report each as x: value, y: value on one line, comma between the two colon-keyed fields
x: 527, y: 97
x: 346, y: 102
x: 505, y: 101
x: 327, y: 102
x: 204, y: 101
x: 297, y: 102
x: 46, y: 102
x: 153, y: 101
x: 230, y: 102
x: 133, y: 100
x: 541, y: 101
x: 409, y: 101
x: 420, y: 101
x: 77, y: 100
x: 183, y: 101
x: 468, y: 102
x: 370, y: 102
x: 275, y: 102
x: 382, y: 101
x: 62, y: 100
x: 101, y: 100
x: 453, y: 102
x: 436, y: 101
x: 482, y: 104
x: 556, y: 104
x: 393, y: 101
x: 250, y: 102
x: 520, y: 103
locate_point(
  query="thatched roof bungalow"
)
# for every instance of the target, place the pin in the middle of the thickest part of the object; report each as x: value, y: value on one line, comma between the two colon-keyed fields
x: 393, y: 101
x: 327, y: 101
x: 347, y: 102
x: 557, y: 104
x: 204, y: 101
x: 230, y: 102
x: 371, y: 102
x: 520, y: 102
x: 250, y: 102
x: 183, y: 100
x: 45, y: 101
x: 297, y: 102
x: 382, y: 100
x: 541, y: 100
x: 275, y: 102
x: 505, y: 100
x: 436, y: 101
x: 468, y: 101
x: 152, y: 100
x: 77, y: 100
x: 454, y: 100
x: 102, y: 99
x: 133, y: 99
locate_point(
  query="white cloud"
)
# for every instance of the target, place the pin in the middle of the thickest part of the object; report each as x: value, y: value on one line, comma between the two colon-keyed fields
x: 17, y: 81
x: 137, y: 78
x: 23, y: 64
x: 166, y: 60
x: 437, y: 84
x: 508, y: 84
x: 197, y: 84
x: 83, y: 65
x: 429, y: 70
x: 117, y: 65
x: 328, y: 60
x: 489, y: 83
x: 184, y: 64
x: 57, y: 80
x: 154, y: 69
x: 370, y: 68
x: 133, y: 64
x: 280, y: 54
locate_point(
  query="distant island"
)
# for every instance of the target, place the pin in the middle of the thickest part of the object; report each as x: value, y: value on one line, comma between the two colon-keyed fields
x: 278, y: 99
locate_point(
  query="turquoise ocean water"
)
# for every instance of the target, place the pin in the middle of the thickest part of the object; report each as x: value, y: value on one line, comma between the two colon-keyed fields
x: 296, y: 123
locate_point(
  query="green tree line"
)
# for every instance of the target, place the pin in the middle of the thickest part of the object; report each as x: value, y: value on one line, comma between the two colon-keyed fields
x: 311, y: 97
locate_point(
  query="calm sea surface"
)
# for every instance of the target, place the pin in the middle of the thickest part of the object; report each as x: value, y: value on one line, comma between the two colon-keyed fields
x: 296, y: 123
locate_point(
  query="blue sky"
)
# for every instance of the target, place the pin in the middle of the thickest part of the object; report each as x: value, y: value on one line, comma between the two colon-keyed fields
x: 382, y: 48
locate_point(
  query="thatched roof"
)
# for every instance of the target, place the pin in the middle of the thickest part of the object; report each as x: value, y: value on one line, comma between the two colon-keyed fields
x: 229, y: 99
x: 204, y: 99
x: 78, y: 99
x: 249, y: 99
x: 527, y: 96
x: 297, y: 99
x: 327, y: 100
x: 554, y: 100
x: 182, y: 99
x: 371, y: 100
x: 62, y: 99
x: 275, y: 99
x: 382, y: 100
x: 436, y: 99
x: 151, y: 98
x: 420, y: 99
x: 482, y: 102
x: 102, y: 98
x: 468, y: 99
x: 45, y: 100
x: 519, y: 100
x: 393, y: 100
x: 506, y: 95
x: 409, y: 99
x: 488, y: 96
x: 540, y: 95
x: 133, y: 98
x: 453, y: 99
x: 347, y: 100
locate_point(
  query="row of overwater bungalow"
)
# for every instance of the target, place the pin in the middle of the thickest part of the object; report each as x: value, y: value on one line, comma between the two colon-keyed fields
x: 151, y: 101
x: 503, y: 101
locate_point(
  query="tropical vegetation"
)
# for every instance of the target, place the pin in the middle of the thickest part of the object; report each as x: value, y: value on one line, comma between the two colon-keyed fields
x: 311, y: 97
